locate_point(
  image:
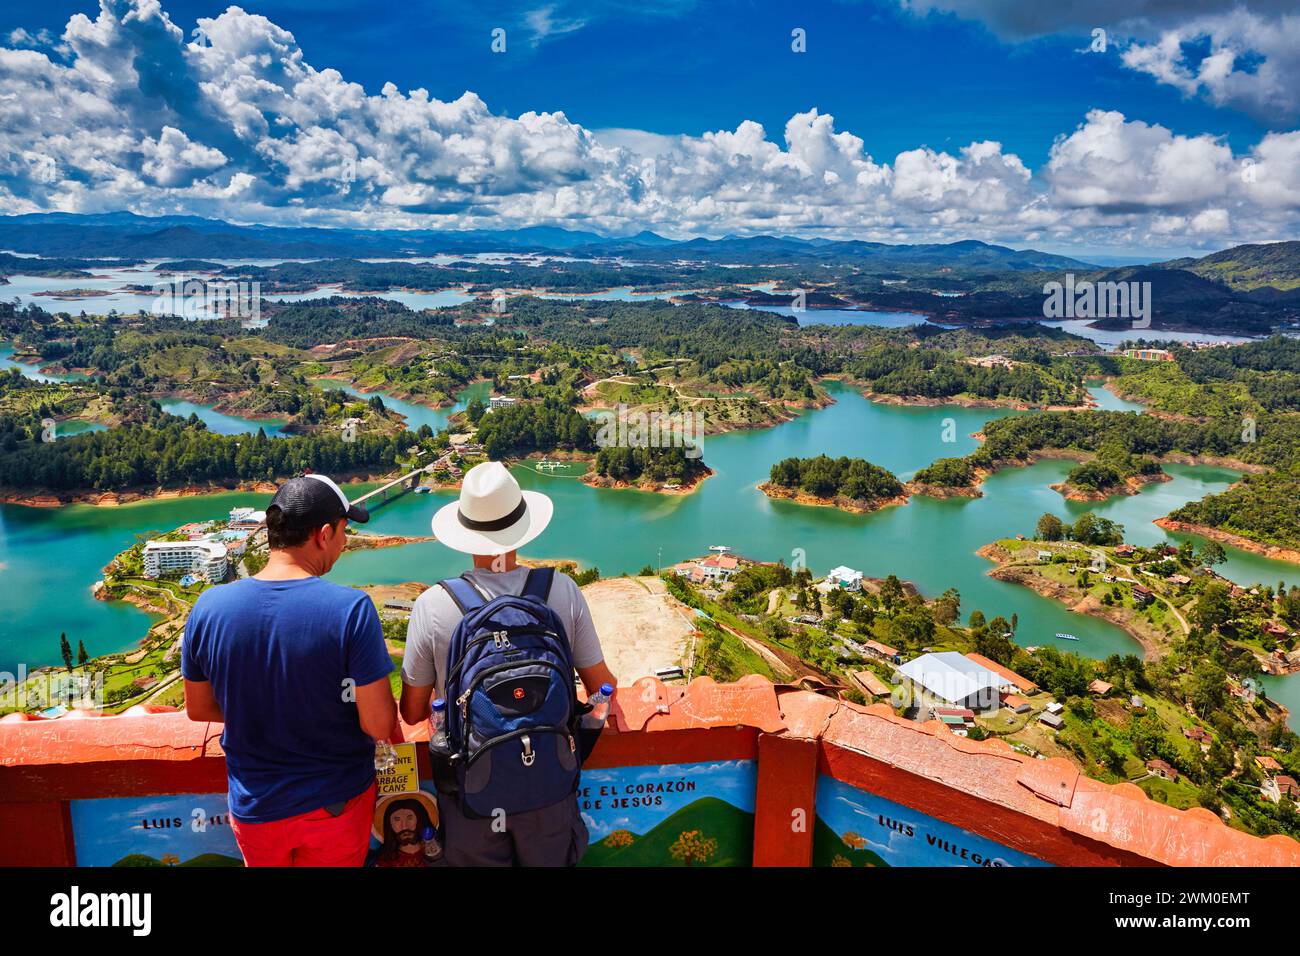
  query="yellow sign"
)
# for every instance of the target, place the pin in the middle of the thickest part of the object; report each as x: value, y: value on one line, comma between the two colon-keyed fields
x: 405, y: 775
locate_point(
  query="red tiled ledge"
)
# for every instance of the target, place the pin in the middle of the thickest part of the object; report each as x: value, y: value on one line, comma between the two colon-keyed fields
x: 799, y: 739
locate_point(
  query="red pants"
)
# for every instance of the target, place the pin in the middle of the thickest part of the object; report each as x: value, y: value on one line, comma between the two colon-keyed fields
x: 311, y: 839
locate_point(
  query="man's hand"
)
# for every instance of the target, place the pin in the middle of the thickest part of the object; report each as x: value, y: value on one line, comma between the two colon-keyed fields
x: 595, y: 675
x: 415, y: 702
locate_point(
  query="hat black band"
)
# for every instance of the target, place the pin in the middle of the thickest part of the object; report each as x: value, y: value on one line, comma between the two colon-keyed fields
x: 496, y: 524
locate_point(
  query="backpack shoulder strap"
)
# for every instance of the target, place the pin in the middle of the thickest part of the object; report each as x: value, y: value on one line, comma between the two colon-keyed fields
x: 467, y: 597
x: 538, y: 583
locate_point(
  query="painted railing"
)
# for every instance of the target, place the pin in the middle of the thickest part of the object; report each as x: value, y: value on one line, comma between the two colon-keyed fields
x: 710, y: 774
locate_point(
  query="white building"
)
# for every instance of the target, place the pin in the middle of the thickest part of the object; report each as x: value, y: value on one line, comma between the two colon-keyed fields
x: 501, y: 401
x: 207, y: 559
x: 246, y: 517
x: 950, y: 679
x: 844, y: 578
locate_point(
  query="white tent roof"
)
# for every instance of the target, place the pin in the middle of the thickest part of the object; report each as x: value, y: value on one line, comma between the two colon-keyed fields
x: 950, y: 675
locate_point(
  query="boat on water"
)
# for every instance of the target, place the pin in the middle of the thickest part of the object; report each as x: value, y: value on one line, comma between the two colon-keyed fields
x: 720, y: 548
x: 1066, y: 637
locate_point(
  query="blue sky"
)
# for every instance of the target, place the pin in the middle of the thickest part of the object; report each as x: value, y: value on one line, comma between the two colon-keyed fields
x: 1137, y: 146
x: 897, y: 80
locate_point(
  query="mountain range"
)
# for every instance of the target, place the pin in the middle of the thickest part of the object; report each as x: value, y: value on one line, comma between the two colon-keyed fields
x: 125, y: 234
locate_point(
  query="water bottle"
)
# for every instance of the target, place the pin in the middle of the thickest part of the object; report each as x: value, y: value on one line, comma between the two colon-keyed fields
x: 438, y: 742
x: 599, y: 701
x: 432, y: 848
x: 385, y: 757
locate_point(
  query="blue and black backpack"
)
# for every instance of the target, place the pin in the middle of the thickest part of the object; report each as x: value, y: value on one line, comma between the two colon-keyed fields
x: 512, y: 710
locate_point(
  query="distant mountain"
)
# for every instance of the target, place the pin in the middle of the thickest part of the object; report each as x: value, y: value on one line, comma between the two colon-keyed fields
x: 185, y: 237
x: 1274, y: 264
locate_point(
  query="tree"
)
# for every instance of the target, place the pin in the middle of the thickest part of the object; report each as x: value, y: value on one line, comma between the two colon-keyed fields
x: 65, y: 649
x: 620, y: 839
x: 1091, y: 528
x: 693, y: 847
x: 947, y: 609
x: 1212, y: 553
x: 1209, y: 688
x: 891, y: 593
x: 82, y: 656
x: 1214, y: 609
x: 1050, y: 528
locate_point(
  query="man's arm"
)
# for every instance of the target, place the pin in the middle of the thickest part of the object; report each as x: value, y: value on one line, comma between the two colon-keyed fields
x: 368, y: 667
x: 376, y: 709
x: 419, y: 674
x: 593, y: 676
x: 415, y: 702
x: 588, y: 657
x: 200, y: 703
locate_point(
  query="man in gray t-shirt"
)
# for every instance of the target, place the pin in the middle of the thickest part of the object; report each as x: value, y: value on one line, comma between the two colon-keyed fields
x: 491, y: 521
x: 436, y: 615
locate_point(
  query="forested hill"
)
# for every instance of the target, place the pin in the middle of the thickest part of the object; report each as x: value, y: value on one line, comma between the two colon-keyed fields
x: 1274, y: 264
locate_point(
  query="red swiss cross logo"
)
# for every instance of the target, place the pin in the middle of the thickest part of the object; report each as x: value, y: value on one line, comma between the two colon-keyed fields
x: 519, y: 693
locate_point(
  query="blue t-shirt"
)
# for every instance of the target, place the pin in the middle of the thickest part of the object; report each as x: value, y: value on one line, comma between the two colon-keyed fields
x: 281, y: 657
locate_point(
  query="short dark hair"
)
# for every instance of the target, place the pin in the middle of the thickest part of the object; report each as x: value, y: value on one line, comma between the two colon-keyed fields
x: 281, y: 533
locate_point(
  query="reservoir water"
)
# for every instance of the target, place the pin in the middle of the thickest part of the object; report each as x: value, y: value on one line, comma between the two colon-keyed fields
x: 49, y: 558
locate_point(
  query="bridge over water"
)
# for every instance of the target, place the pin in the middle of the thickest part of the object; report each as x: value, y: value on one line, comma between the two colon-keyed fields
x: 398, y: 486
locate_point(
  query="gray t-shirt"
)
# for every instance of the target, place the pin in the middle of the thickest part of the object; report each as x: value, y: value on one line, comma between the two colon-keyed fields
x: 436, y: 615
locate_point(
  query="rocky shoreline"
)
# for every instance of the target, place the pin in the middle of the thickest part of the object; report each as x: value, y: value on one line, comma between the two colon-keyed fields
x: 1272, y: 551
x: 1153, y: 644
x: 966, y: 402
x: 593, y: 480
x: 45, y: 498
x: 1129, y: 486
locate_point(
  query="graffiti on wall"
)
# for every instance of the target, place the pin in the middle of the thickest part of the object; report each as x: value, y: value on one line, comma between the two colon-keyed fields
x: 692, y: 814
x: 187, y: 829
x: 857, y: 828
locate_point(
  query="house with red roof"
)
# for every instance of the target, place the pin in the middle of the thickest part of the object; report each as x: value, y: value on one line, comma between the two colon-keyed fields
x: 1161, y: 768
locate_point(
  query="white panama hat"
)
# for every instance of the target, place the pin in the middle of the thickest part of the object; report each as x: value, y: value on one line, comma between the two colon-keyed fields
x: 493, y: 516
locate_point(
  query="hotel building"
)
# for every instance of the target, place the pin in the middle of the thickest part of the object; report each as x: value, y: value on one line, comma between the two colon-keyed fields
x: 207, y: 559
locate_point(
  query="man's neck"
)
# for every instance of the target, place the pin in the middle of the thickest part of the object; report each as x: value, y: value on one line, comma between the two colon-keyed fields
x: 287, y: 565
x: 496, y: 562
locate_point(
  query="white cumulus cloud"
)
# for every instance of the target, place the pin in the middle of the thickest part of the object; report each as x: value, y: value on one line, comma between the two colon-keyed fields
x: 234, y: 122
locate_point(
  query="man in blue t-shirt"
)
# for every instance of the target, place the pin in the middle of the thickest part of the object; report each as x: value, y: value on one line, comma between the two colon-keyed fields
x: 297, y: 670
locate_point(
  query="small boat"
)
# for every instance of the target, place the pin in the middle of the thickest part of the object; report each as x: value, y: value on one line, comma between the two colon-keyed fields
x: 1066, y: 637
x: 720, y: 548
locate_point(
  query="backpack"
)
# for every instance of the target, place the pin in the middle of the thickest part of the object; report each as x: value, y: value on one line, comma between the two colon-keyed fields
x: 512, y: 710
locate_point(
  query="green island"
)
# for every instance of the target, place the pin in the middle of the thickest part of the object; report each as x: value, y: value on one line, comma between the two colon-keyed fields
x: 851, y: 484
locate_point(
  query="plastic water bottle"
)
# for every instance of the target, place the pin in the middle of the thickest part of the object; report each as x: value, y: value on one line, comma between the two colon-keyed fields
x: 385, y: 756
x: 438, y: 742
x: 599, y: 702
x: 432, y: 848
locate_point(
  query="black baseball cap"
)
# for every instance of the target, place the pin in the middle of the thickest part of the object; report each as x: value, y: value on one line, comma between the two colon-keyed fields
x: 314, y: 500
